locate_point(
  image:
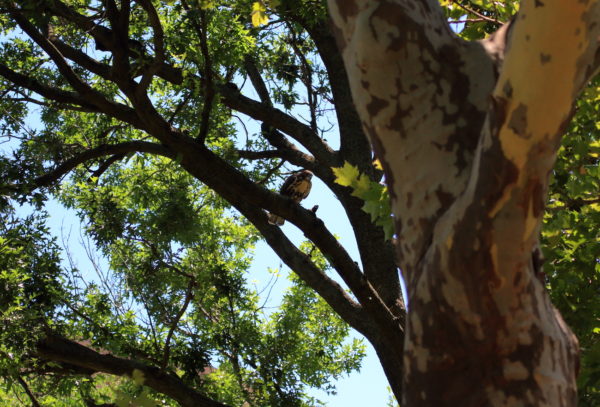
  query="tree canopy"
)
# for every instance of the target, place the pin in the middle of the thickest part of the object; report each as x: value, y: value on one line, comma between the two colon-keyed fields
x: 168, y: 127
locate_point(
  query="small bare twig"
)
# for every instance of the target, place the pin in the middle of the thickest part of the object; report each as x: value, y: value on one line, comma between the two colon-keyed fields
x: 478, y: 14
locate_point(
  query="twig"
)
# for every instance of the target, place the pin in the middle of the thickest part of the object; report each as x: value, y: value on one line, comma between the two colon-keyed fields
x: 32, y: 397
x: 478, y: 14
x: 188, y: 298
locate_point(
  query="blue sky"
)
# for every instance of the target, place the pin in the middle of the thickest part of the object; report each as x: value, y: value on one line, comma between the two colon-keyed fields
x: 365, y: 388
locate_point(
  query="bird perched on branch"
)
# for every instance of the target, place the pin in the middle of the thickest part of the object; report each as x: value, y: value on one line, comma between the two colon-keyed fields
x: 296, y: 186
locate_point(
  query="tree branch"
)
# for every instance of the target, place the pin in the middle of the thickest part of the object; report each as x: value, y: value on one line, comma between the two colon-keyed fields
x: 376, y: 254
x: 104, y: 38
x: 82, y: 59
x: 188, y: 298
x: 116, y: 110
x: 55, y: 94
x: 258, y: 155
x: 106, y: 164
x: 257, y: 80
x: 275, y: 118
x: 159, y: 47
x: 56, y: 348
x: 100, y: 151
x: 66, y: 71
x: 248, y: 198
x: 34, y: 401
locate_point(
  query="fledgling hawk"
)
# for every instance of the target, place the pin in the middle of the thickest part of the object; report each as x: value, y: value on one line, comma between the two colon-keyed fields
x: 296, y: 186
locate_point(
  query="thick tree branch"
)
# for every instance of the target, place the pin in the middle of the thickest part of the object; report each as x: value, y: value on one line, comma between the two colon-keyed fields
x: 105, y: 39
x: 55, y: 94
x: 100, y: 151
x: 80, y: 86
x: 82, y: 59
x: 55, y: 348
x: 274, y: 117
x: 257, y: 80
x: 248, y: 197
x: 291, y: 153
x: 118, y: 111
x: 159, y: 46
x: 402, y: 38
x: 376, y: 254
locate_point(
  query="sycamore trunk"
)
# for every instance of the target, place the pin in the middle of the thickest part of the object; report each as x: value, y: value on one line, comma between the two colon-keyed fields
x: 468, y: 133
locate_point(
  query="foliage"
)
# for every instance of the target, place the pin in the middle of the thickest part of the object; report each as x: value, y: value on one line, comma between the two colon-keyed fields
x: 571, y: 237
x: 375, y: 195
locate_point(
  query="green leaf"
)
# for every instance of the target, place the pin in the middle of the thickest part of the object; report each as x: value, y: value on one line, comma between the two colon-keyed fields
x: 346, y: 175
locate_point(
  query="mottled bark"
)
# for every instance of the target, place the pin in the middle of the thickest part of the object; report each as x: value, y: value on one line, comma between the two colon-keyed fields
x: 468, y: 133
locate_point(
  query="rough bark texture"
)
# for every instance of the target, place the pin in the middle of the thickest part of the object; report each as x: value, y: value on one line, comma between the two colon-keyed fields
x: 467, y: 133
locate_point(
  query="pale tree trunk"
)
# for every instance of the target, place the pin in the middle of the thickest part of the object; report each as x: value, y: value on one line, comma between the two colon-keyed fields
x: 468, y: 133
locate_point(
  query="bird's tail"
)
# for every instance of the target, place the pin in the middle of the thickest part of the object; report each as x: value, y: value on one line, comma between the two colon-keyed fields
x: 276, y: 220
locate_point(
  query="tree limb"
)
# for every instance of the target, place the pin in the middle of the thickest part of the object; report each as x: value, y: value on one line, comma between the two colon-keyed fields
x: 74, y: 80
x: 189, y: 295
x: 118, y: 111
x: 248, y: 198
x: 34, y: 401
x: 474, y: 12
x: 258, y: 155
x: 59, y: 349
x: 159, y: 46
x: 55, y: 94
x: 100, y: 151
x: 257, y: 80
x: 274, y: 117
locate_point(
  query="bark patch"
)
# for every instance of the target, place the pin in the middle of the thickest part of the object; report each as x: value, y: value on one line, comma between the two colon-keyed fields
x: 348, y: 9
x: 376, y: 105
x: 518, y: 121
x: 545, y: 58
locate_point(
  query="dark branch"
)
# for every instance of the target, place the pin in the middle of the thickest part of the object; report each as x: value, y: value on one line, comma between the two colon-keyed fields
x: 101, y: 151
x: 106, y: 164
x: 275, y: 118
x: 105, y: 39
x: 476, y: 13
x: 118, y: 111
x: 57, y: 95
x: 188, y: 298
x: 82, y: 59
x: 66, y: 71
x: 248, y: 198
x: 23, y: 383
x: 159, y: 46
x: 58, y: 349
x: 257, y: 80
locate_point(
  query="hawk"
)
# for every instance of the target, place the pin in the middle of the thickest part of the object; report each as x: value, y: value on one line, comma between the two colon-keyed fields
x: 296, y: 186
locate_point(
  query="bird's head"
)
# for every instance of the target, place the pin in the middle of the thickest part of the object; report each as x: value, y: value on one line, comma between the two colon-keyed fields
x: 305, y: 174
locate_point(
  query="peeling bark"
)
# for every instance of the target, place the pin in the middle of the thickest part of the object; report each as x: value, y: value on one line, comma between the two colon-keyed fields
x: 468, y: 133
